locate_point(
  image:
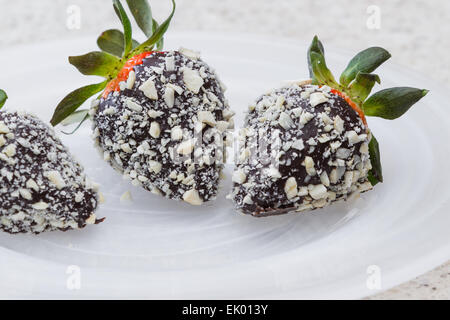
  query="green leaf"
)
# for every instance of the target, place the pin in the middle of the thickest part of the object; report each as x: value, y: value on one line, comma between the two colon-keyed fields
x: 373, y: 181
x: 365, y: 61
x: 316, y: 46
x: 74, y: 100
x: 111, y: 41
x: 142, y: 13
x: 160, y: 44
x: 375, y: 174
x: 392, y: 103
x: 86, y: 116
x: 75, y: 117
x: 120, y: 11
x: 360, y: 88
x: 318, y: 70
x: 96, y: 63
x: 158, y: 34
x: 321, y: 75
x: 3, y: 97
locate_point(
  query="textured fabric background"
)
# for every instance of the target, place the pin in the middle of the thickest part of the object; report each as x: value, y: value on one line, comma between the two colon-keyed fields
x: 416, y: 32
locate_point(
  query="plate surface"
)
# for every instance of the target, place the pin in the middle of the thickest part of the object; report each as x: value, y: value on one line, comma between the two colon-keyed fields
x: 156, y: 248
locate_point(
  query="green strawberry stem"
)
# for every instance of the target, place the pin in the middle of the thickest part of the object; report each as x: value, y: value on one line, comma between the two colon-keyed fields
x: 160, y: 43
x: 127, y: 31
x: 357, y: 81
x: 3, y: 98
x: 97, y: 63
x: 361, y: 87
x: 392, y: 103
x: 365, y: 61
x: 80, y: 122
x: 157, y: 35
x: 142, y: 14
x: 376, y: 173
x: 112, y: 41
x: 74, y: 100
x: 117, y: 48
x: 75, y: 117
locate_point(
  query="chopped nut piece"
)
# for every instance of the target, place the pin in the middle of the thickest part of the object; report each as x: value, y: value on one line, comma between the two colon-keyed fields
x: 309, y: 165
x: 186, y: 147
x: 206, y: 117
x: 348, y: 178
x: 126, y: 197
x: 318, y: 192
x: 10, y: 150
x: 290, y: 188
x: 306, y: 117
x: 245, y: 154
x: 177, y: 89
x: 273, y: 172
x: 285, y: 121
x: 131, y: 79
x: 222, y: 126
x: 190, y: 53
x: 79, y: 196
x: 149, y: 89
x: 40, y: 205
x: 338, y: 124
x: 298, y: 144
x: 3, y: 127
x: 317, y: 98
x: 352, y: 137
x: 324, y: 179
x: 55, y: 178
x: 155, y: 166
x: 169, y: 97
x: 133, y: 105
x: 364, y: 148
x: 192, y: 197
x: 227, y: 114
x: 92, y: 218
x: 31, y: 184
x: 26, y: 194
x: 176, y: 133
x: 325, y: 118
x: 154, y: 114
x: 170, y: 63
x: 365, y: 187
x: 239, y: 176
x: 155, y: 129
x: 248, y: 199
x: 126, y: 148
x: 302, y: 191
x: 192, y: 80
x: 280, y: 101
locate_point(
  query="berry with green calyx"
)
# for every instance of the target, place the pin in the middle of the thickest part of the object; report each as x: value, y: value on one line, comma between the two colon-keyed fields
x: 355, y: 85
x: 117, y: 50
x: 308, y: 144
x: 158, y: 114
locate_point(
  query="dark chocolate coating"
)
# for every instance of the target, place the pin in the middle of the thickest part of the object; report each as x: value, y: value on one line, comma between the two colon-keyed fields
x: 268, y: 196
x: 117, y: 130
x: 26, y: 179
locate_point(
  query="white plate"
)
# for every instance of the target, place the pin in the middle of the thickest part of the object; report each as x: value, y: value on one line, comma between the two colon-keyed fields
x: 156, y: 248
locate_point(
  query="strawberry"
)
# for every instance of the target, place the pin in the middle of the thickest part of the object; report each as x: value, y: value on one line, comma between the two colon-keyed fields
x: 308, y: 144
x: 161, y: 115
x: 42, y: 187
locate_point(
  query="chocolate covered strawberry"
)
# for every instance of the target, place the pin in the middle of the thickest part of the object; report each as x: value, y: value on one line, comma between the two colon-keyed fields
x: 308, y: 144
x: 42, y: 188
x: 160, y: 116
